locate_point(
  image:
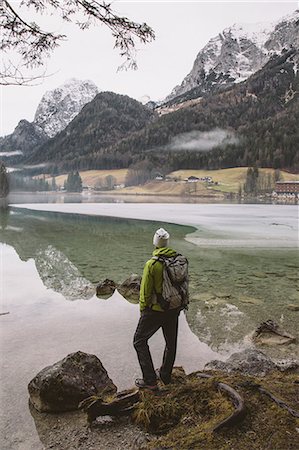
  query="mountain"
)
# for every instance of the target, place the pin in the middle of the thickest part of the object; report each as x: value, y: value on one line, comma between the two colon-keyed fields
x: 254, y: 122
x: 234, y: 55
x: 55, y: 111
x: 104, y: 121
x: 25, y: 137
x: 224, y: 122
x: 60, y: 106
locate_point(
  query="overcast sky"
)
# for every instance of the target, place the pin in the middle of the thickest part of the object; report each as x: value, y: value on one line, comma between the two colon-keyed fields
x: 182, y: 29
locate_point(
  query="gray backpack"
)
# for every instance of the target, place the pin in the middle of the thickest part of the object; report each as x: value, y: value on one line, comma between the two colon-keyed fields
x: 175, y: 292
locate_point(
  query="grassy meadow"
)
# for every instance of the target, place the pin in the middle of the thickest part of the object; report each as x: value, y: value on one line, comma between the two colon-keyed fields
x: 228, y: 181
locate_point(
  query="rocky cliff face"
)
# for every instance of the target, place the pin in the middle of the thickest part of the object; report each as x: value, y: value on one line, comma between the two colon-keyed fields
x: 25, y: 137
x: 59, y: 107
x: 235, y: 54
x: 104, y: 121
x: 55, y: 111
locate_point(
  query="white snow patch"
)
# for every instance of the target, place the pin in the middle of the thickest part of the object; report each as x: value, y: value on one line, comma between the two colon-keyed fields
x: 17, y: 152
x: 60, y: 106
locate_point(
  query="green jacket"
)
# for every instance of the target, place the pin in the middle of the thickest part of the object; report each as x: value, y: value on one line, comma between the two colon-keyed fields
x: 152, y: 279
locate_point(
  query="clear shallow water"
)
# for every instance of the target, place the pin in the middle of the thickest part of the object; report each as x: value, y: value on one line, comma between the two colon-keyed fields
x: 49, y: 260
x: 233, y: 286
x: 219, y: 225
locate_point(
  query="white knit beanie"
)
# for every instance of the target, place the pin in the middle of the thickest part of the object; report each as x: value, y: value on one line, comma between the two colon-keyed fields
x: 161, y: 238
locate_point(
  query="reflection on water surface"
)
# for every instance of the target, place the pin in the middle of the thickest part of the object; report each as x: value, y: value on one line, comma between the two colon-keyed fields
x: 48, y: 258
x: 232, y: 289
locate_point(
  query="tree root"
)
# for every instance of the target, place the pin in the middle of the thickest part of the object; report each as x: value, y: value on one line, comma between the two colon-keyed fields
x: 269, y: 394
x: 125, y: 402
x: 122, y: 404
x: 236, y: 398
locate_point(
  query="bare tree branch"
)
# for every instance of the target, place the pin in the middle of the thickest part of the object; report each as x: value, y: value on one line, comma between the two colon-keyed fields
x: 33, y: 45
x: 12, y: 75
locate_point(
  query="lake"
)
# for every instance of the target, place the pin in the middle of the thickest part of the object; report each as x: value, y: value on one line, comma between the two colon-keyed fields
x: 243, y: 270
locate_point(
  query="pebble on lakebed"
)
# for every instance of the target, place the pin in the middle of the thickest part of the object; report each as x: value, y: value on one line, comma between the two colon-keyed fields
x: 293, y: 307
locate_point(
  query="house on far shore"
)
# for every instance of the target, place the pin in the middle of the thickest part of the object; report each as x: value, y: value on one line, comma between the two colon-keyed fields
x: 286, y: 191
x: 287, y: 187
x: 192, y: 179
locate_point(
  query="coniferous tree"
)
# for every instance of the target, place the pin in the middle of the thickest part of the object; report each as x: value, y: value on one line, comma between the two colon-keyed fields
x: 73, y: 182
x: 110, y: 182
x: 251, y: 183
x: 4, y: 184
x: 53, y: 184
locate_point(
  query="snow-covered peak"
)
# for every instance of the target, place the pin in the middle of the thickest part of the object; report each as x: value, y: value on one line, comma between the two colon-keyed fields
x: 292, y: 17
x: 256, y: 32
x: 60, y: 106
x: 236, y: 53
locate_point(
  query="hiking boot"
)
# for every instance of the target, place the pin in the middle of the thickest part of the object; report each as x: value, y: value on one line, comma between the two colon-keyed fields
x: 141, y: 384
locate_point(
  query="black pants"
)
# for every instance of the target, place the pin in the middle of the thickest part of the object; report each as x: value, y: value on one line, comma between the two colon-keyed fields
x: 149, y: 323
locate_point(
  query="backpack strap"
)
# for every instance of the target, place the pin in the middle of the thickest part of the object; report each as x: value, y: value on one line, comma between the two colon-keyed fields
x: 164, y: 305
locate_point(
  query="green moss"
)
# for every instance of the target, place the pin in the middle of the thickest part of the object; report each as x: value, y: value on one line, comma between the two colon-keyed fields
x: 185, y: 413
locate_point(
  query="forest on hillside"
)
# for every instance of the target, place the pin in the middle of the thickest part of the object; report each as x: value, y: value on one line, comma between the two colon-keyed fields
x: 262, y: 114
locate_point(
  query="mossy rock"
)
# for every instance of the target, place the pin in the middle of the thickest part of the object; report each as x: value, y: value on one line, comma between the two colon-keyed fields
x: 259, y: 274
x: 293, y: 277
x: 293, y: 307
x: 249, y: 300
x: 203, y: 296
x: 215, y: 303
x: 222, y: 294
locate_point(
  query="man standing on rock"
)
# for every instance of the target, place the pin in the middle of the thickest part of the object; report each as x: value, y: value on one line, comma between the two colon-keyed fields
x: 163, y: 294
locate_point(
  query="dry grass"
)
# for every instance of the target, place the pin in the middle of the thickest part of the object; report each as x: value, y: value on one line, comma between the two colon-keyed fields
x: 187, y: 410
x: 168, y: 188
x: 229, y: 179
x: 92, y: 177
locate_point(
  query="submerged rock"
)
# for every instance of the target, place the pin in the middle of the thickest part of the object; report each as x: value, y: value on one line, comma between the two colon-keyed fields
x: 269, y: 333
x: 223, y: 294
x: 62, y: 386
x: 106, y: 287
x: 249, y: 300
x: 293, y: 307
x: 203, y: 296
x: 248, y: 362
x: 259, y: 274
x: 130, y: 288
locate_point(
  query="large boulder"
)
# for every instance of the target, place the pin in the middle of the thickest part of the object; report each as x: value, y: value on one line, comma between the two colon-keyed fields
x: 248, y: 362
x: 130, y: 288
x: 62, y: 386
x: 106, y: 287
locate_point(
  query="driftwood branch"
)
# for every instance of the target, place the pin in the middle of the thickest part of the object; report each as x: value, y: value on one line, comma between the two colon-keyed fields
x: 122, y: 404
x: 237, y: 400
x: 125, y: 402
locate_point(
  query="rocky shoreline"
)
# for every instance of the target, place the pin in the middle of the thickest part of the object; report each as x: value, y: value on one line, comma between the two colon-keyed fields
x: 183, y: 415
